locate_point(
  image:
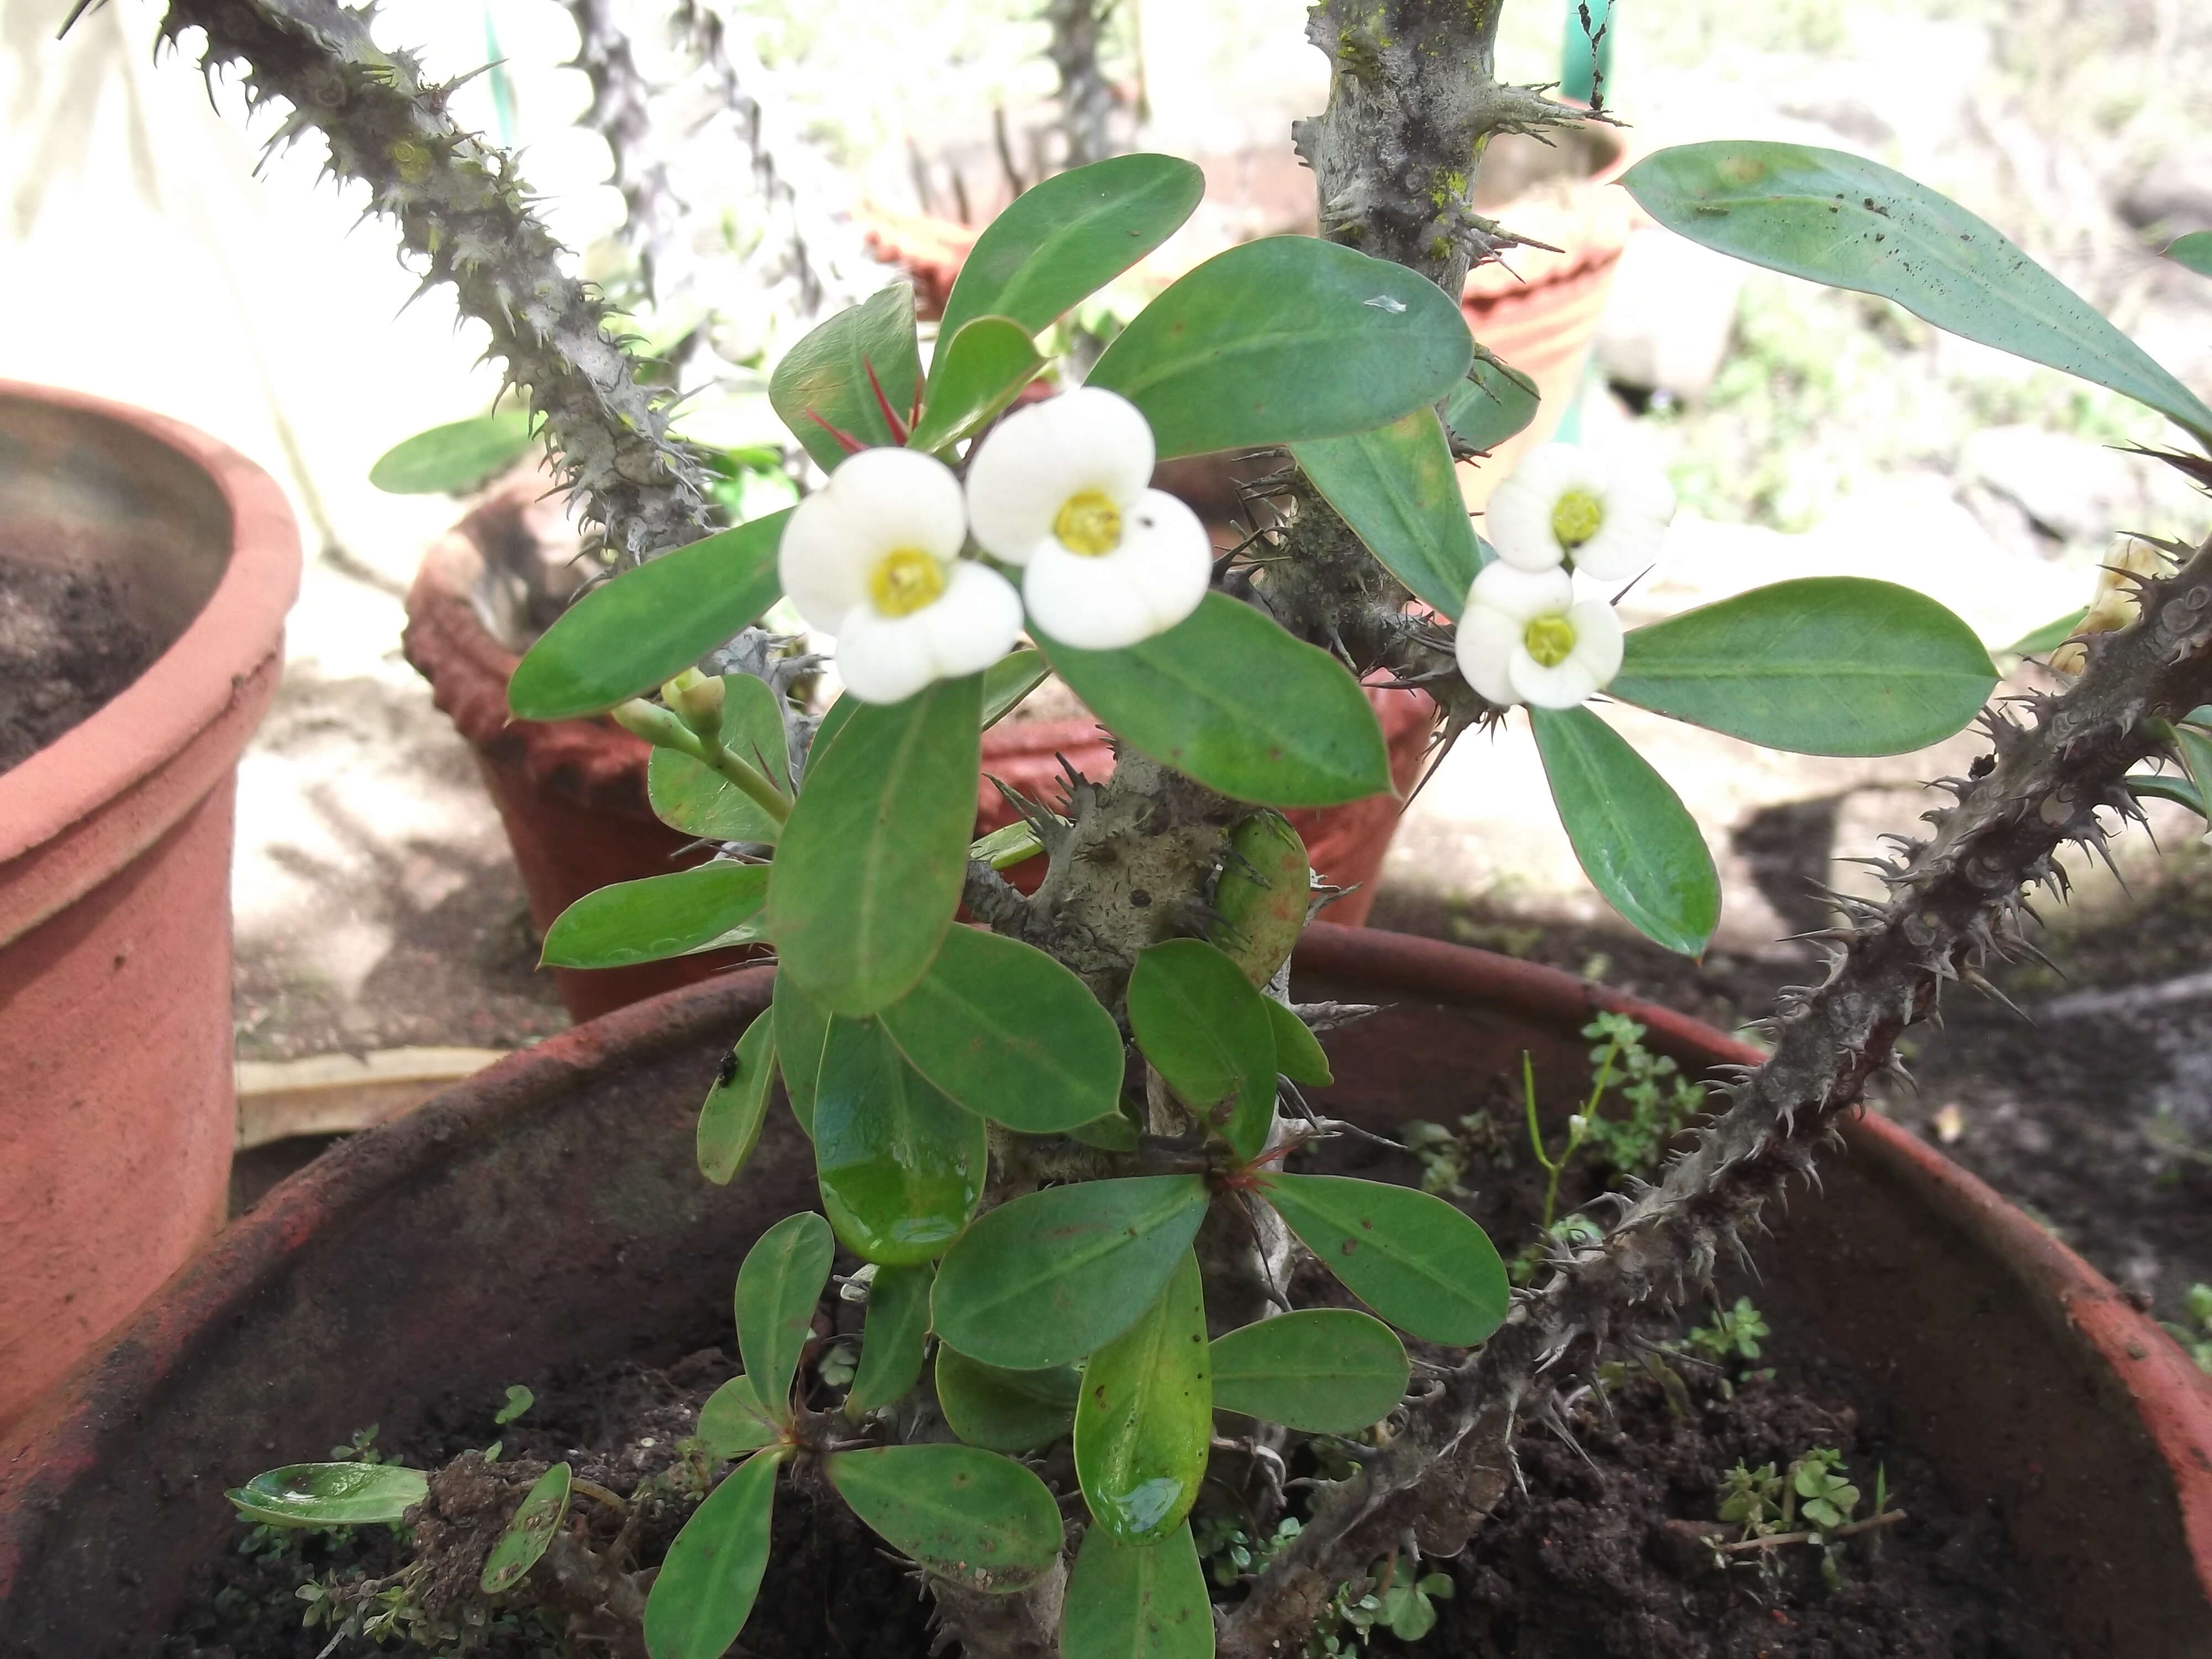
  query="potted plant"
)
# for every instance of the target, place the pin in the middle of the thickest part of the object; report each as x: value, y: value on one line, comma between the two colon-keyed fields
x: 146, y: 570
x: 1059, y: 1145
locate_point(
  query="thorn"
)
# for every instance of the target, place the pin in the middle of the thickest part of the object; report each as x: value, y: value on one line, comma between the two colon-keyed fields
x: 1970, y: 977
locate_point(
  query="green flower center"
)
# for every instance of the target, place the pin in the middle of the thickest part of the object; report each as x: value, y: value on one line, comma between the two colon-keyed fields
x: 1089, y: 523
x: 1550, y: 639
x: 904, y: 580
x: 1577, y: 516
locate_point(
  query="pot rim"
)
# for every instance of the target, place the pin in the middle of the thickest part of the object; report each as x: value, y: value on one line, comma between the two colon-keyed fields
x: 201, y: 675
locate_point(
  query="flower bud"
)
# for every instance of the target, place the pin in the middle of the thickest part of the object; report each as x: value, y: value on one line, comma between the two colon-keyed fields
x: 697, y: 700
x: 1259, y: 902
x: 649, y: 721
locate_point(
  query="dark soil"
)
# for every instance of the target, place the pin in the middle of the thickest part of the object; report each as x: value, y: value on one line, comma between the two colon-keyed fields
x: 65, y: 649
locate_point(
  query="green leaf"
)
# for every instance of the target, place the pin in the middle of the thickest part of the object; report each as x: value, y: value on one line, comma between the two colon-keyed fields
x: 2179, y: 790
x: 1047, y: 1279
x: 454, y: 458
x: 2196, y: 748
x: 1823, y: 666
x: 331, y: 1494
x: 960, y: 1512
x: 1493, y: 403
x: 1205, y: 1031
x: 977, y: 372
x: 1113, y: 1132
x: 518, y: 1401
x: 2194, y: 250
x: 778, y: 1284
x: 1853, y: 223
x: 733, y: 1421
x: 802, y: 1031
x: 1409, y: 1255
x: 1323, y: 1370
x: 737, y: 1106
x: 1004, y: 1411
x: 706, y: 1584
x: 1228, y: 698
x: 2040, y: 641
x: 1009, y: 1033
x: 1635, y: 839
x: 1397, y: 489
x: 901, y: 1166
x: 657, y: 916
x: 1143, y: 1425
x: 1064, y: 239
x: 892, y: 1340
x: 868, y: 874
x: 826, y: 375
x: 628, y: 636
x: 1010, y: 679
x: 692, y: 796
x: 1125, y: 1603
x: 536, y: 1518
x: 1299, y: 1053
x: 1285, y: 339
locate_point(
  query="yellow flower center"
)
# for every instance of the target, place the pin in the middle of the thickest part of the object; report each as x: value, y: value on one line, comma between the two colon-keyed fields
x: 905, y: 579
x: 1089, y: 524
x: 1549, y: 639
x: 1577, y: 516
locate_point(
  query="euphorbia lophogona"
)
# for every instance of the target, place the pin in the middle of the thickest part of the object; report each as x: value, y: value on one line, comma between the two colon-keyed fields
x: 1059, y: 1138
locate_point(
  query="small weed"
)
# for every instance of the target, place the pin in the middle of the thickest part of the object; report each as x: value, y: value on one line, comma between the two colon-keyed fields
x: 2195, y: 1335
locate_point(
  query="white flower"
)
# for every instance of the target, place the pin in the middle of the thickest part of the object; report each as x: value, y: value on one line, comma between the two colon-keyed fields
x: 1525, y: 639
x: 1607, y: 514
x: 1060, y: 488
x: 874, y: 558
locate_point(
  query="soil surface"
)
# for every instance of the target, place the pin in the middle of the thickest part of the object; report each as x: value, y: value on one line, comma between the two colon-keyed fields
x: 65, y: 649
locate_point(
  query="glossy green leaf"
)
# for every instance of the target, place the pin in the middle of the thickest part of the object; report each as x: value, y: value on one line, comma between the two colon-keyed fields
x: 628, y: 636
x: 1009, y: 680
x: 1843, y: 220
x: 1205, y: 1029
x: 536, y: 1518
x: 657, y: 916
x: 977, y: 372
x: 331, y: 1494
x: 893, y: 1337
x: 737, y: 1106
x: 1048, y: 1278
x: 1492, y: 404
x: 1126, y: 1603
x: 1285, y: 339
x: 1144, y: 1423
x: 802, y: 1031
x: 1064, y: 239
x: 733, y: 1421
x: 692, y: 796
x: 826, y: 375
x: 2194, y: 250
x: 1113, y: 1132
x: 1410, y: 1256
x: 1004, y: 1411
x: 2040, y: 642
x: 1635, y: 839
x: 1227, y: 697
x: 1298, y: 1054
x: 870, y: 868
x: 2167, y: 786
x: 1398, y: 489
x: 2196, y: 758
x: 960, y: 1512
x: 1324, y: 1370
x: 711, y: 1575
x: 901, y: 1166
x: 778, y: 1286
x: 1823, y: 666
x: 454, y: 458
x: 1009, y: 1033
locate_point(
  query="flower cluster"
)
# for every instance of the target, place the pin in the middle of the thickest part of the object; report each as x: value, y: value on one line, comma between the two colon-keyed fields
x: 1059, y: 491
x: 1565, y: 512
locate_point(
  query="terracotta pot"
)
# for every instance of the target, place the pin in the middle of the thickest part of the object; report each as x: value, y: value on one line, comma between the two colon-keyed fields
x: 572, y: 793
x: 115, y: 1030
x: 547, y: 1213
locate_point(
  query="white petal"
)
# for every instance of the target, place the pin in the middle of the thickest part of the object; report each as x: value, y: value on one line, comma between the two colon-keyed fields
x: 1521, y: 594
x: 885, y: 658
x: 1517, y: 520
x: 823, y: 560
x: 1088, y: 603
x: 1166, y: 555
x: 1567, y: 685
x: 1023, y: 473
x: 877, y: 499
x: 974, y: 623
x: 1487, y: 640
x: 1600, y: 641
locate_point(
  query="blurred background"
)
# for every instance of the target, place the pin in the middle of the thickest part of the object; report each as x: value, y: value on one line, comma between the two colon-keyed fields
x: 152, y: 253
